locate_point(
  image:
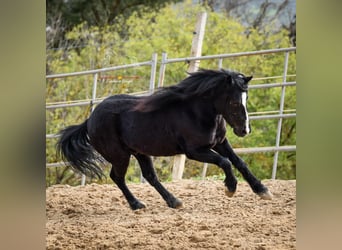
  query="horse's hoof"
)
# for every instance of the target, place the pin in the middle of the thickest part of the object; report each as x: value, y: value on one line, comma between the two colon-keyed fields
x: 176, y: 204
x: 179, y: 204
x: 229, y: 193
x: 266, y: 195
x: 137, y: 205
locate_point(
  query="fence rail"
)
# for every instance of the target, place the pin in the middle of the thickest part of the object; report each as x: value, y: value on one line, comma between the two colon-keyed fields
x: 96, y: 71
x: 220, y: 56
x: 280, y: 114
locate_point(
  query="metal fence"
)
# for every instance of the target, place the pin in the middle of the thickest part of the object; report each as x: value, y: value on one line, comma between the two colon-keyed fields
x: 279, y: 114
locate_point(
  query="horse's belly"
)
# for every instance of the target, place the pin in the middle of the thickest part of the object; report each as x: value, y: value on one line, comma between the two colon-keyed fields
x: 155, y: 146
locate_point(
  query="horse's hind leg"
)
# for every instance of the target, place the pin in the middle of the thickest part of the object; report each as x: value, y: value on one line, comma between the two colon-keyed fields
x: 149, y: 174
x: 117, y: 174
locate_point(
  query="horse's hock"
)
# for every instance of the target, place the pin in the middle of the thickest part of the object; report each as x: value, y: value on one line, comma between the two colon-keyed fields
x: 98, y: 217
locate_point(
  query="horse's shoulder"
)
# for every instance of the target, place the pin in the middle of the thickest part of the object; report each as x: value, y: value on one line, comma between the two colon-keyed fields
x: 221, y: 124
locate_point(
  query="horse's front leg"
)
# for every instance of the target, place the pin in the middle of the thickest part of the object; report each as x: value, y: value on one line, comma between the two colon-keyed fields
x: 226, y: 150
x: 209, y: 156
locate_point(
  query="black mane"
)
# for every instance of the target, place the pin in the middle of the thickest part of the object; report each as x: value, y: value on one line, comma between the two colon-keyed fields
x: 203, y: 83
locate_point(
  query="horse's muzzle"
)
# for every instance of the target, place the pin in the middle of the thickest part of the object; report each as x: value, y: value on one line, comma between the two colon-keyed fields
x: 241, y: 132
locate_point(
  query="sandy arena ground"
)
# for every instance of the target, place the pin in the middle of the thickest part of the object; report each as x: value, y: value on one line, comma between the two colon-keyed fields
x: 98, y: 217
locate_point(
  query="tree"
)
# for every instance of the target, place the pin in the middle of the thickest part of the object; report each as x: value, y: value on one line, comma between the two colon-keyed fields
x: 62, y: 16
x: 259, y: 14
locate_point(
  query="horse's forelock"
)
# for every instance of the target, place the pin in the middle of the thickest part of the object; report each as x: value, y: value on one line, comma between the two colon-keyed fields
x: 241, y: 83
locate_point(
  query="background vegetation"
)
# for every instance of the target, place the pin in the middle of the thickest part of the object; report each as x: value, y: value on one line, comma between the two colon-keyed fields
x: 132, y: 34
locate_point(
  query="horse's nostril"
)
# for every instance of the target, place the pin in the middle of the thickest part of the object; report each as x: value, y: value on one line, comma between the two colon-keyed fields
x: 247, y: 130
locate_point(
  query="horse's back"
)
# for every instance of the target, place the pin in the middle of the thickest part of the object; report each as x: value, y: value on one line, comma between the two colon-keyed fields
x: 117, y: 104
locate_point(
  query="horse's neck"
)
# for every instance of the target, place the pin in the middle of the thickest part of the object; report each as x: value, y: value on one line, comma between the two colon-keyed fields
x: 202, y: 107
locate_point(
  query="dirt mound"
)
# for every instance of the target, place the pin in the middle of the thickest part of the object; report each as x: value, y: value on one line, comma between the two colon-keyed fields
x: 98, y: 217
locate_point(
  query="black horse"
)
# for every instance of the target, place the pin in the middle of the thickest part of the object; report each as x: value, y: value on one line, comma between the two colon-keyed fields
x: 188, y: 118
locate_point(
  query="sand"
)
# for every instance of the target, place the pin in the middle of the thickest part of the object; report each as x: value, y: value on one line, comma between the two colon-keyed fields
x: 98, y: 217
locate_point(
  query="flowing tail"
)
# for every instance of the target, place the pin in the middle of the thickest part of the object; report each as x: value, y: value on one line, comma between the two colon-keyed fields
x: 74, y: 148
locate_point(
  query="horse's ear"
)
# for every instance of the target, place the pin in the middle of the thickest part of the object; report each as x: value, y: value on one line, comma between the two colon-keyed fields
x: 248, y: 78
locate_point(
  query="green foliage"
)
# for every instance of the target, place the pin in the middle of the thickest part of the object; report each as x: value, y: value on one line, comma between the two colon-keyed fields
x: 171, y: 30
x: 63, y: 16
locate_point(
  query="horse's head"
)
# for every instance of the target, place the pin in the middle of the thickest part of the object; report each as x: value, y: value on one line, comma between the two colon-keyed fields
x: 232, y: 103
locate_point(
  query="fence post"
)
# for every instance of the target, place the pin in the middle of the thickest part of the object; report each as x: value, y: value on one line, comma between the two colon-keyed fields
x: 280, y: 121
x: 93, y: 98
x: 162, y: 70
x: 196, y: 50
x: 220, y: 63
x: 204, y: 171
x: 153, y: 72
